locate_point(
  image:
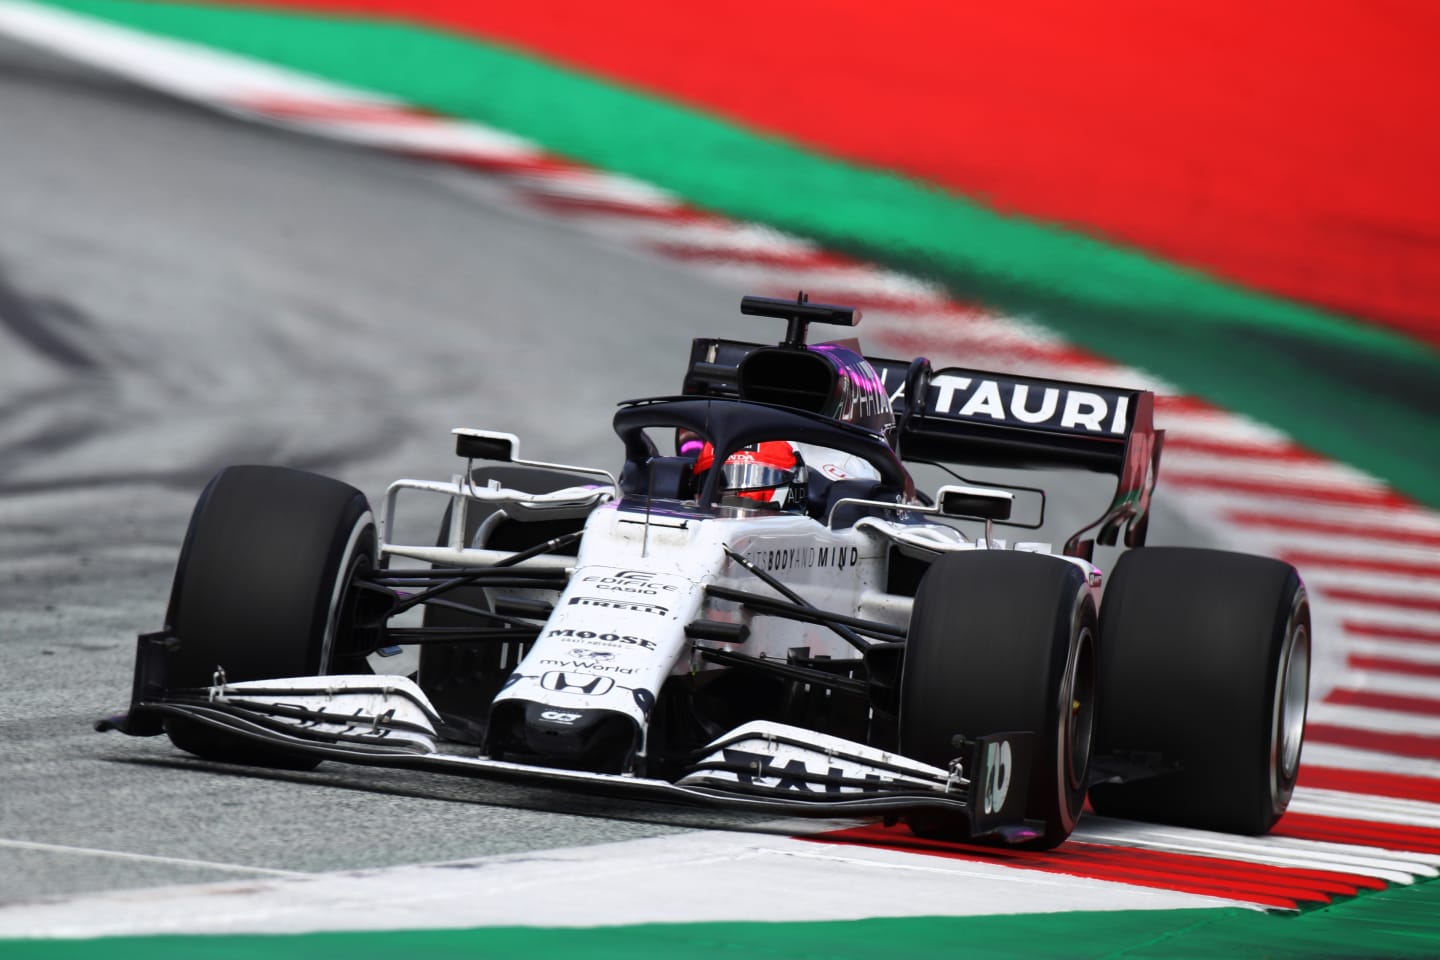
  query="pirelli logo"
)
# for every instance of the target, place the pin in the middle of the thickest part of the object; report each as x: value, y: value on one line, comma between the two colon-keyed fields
x: 630, y: 606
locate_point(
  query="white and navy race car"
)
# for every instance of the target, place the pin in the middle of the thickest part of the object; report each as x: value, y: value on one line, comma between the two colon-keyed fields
x: 760, y: 612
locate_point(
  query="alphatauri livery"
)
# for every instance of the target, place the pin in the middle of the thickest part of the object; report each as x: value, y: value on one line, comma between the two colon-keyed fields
x: 803, y: 632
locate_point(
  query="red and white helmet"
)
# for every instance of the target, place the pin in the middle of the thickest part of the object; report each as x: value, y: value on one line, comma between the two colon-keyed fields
x: 769, y: 473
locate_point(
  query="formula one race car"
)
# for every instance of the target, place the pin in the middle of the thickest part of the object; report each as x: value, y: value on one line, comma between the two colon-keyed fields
x: 760, y: 612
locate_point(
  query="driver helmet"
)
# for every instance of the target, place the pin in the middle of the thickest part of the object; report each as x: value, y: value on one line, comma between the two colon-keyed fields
x: 771, y: 474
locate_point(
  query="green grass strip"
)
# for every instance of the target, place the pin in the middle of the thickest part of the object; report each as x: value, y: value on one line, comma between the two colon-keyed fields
x: 1399, y: 923
x: 1356, y: 393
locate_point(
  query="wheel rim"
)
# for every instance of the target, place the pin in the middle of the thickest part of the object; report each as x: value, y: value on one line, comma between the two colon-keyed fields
x: 1080, y: 714
x: 340, y: 614
x: 1292, y: 694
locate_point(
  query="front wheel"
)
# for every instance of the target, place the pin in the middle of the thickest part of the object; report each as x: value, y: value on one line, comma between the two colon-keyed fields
x: 264, y: 589
x: 1004, y: 642
x: 1205, y: 665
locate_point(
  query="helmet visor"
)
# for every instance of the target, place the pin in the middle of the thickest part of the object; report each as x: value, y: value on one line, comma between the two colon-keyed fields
x: 754, y: 476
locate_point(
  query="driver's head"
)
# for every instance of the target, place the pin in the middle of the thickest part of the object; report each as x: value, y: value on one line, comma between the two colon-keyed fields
x: 770, y: 473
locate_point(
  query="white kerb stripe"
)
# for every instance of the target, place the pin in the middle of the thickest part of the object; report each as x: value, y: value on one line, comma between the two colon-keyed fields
x: 1354, y: 758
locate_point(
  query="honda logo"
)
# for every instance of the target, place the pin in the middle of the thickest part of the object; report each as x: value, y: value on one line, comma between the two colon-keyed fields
x: 579, y: 683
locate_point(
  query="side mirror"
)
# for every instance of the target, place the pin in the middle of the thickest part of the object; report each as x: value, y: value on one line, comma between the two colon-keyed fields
x: 978, y: 503
x: 486, y: 445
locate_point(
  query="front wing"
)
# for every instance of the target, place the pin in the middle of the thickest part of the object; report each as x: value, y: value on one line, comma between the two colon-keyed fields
x: 760, y: 766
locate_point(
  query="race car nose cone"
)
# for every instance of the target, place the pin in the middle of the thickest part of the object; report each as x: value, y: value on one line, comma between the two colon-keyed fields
x: 594, y: 739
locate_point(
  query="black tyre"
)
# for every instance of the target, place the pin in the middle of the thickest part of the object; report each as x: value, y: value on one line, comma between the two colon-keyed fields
x: 1004, y: 642
x: 1205, y: 662
x: 264, y: 590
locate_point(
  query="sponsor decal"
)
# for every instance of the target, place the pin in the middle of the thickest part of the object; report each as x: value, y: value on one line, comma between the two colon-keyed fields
x: 601, y: 655
x: 999, y: 763
x: 629, y: 606
x: 1009, y: 402
x: 602, y: 637
x: 790, y: 775
x: 638, y: 582
x: 1056, y: 406
x: 864, y: 396
x: 559, y: 716
x: 862, y: 391
x: 581, y: 683
x: 795, y: 558
x: 591, y: 665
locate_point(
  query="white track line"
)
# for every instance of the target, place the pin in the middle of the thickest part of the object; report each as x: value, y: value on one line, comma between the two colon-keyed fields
x: 147, y: 858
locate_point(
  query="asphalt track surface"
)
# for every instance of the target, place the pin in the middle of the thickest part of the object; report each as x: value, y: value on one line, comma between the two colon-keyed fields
x: 179, y: 291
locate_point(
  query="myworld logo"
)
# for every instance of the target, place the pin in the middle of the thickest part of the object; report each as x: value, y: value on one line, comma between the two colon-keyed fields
x: 590, y: 666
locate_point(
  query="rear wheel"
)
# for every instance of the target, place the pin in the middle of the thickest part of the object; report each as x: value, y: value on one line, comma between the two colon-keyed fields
x: 1205, y: 662
x: 1004, y: 642
x: 264, y: 589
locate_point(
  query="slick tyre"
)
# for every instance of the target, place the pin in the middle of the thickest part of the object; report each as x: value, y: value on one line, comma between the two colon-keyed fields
x: 1004, y: 642
x: 265, y: 589
x: 1205, y: 665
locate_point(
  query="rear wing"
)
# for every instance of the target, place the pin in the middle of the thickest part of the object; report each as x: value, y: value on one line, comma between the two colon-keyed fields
x: 988, y: 419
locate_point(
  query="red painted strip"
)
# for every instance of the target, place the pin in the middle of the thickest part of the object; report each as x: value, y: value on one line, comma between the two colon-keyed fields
x: 501, y: 164
x: 1401, y: 744
x: 1057, y: 354
x: 867, y: 299
x: 797, y: 260
x: 1405, y: 601
x: 1186, y: 404
x: 1238, y: 483
x: 1306, y: 558
x: 609, y: 207
x: 1257, y: 883
x: 1272, y: 521
x: 1198, y: 443
x: 1386, y: 631
x: 959, y: 312
x: 1370, y: 782
x: 291, y: 108
x: 1389, y: 836
x: 1384, y: 701
x: 1361, y: 661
